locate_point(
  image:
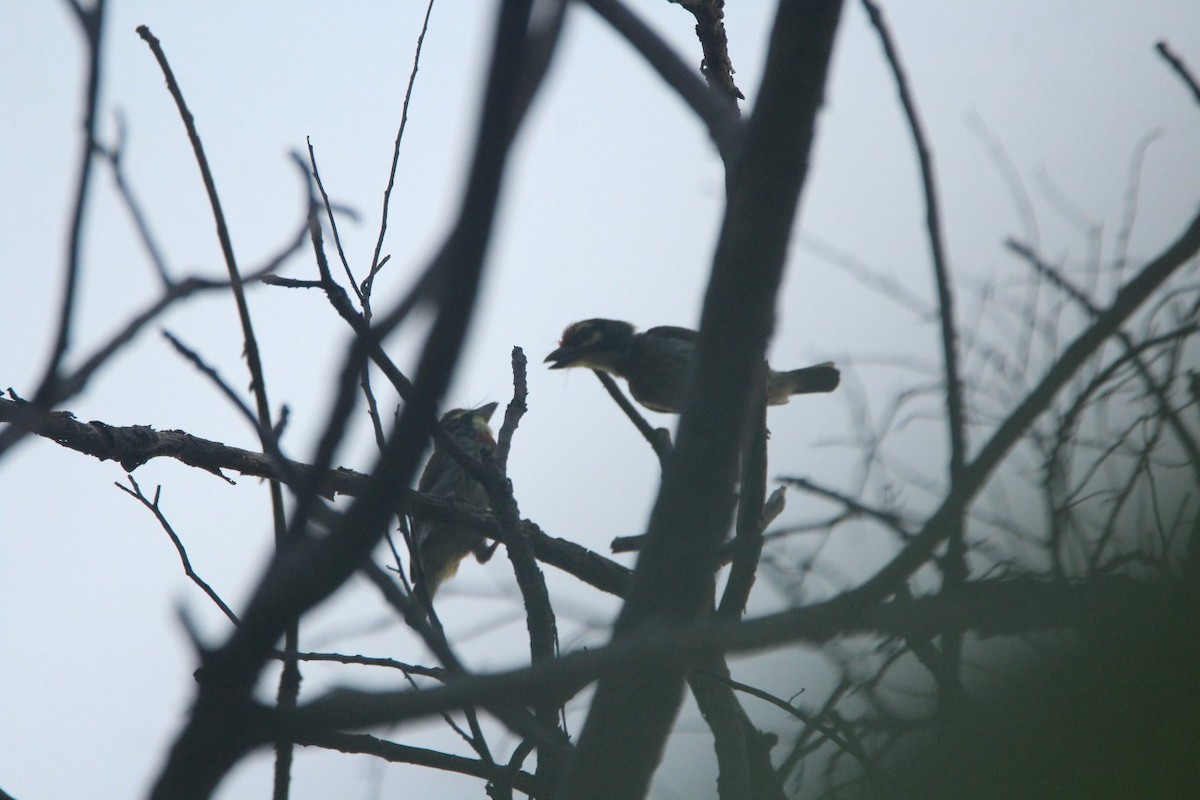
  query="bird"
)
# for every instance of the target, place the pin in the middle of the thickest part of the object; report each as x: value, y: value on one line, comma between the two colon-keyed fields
x: 441, y: 546
x: 658, y: 363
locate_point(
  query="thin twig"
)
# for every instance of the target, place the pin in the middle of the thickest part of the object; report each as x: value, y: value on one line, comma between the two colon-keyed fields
x: 1131, y: 348
x: 91, y: 21
x: 808, y: 719
x: 337, y: 237
x: 975, y: 474
x: 113, y: 156
x: 515, y: 410
x: 153, y: 507
x: 539, y: 613
x: 405, y: 754
x: 214, y: 376
x: 423, y: 618
x: 316, y: 566
x: 954, y: 563
x: 67, y: 386
x: 236, y: 283
x: 289, y: 681
x: 888, y: 518
x: 437, y: 673
x: 1180, y: 68
x: 376, y: 263
x: 659, y: 438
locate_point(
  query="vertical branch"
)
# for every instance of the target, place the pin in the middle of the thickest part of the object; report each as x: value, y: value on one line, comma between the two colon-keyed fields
x: 365, y: 294
x: 539, y: 614
x: 710, y: 30
x: 748, y: 539
x: 224, y: 723
x: 91, y: 22
x: 289, y: 680
x: 253, y: 359
x: 743, y: 752
x: 636, y: 702
x: 515, y: 410
x: 954, y: 564
x: 941, y: 270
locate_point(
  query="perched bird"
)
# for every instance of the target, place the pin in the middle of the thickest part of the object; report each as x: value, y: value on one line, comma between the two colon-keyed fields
x: 440, y: 546
x: 658, y: 363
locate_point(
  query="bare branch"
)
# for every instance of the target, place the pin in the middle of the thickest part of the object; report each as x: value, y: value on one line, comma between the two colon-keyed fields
x: 714, y: 108
x: 1131, y: 348
x: 515, y: 410
x: 113, y: 156
x: 376, y: 262
x: 132, y: 446
x: 153, y: 507
x: 992, y: 608
x: 710, y: 30
x: 420, y: 756
x: 976, y: 473
x: 954, y: 563
x: 748, y: 531
x: 659, y: 438
x: 635, y: 702
x: 92, y: 23
x: 1180, y: 68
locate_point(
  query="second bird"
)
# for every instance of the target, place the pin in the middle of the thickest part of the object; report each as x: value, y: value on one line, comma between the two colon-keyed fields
x: 659, y: 362
x: 441, y: 545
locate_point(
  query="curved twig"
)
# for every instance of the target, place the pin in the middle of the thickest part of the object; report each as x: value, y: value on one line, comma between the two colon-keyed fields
x: 659, y: 438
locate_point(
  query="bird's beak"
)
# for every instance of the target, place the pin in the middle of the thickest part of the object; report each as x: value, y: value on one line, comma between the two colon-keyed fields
x: 487, y: 411
x: 560, y: 358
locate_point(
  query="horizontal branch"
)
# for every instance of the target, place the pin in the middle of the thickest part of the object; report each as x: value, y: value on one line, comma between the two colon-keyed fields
x: 987, y: 607
x: 133, y: 445
x: 420, y: 756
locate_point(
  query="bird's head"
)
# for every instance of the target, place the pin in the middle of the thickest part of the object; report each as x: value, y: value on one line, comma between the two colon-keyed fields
x: 470, y: 423
x: 594, y: 343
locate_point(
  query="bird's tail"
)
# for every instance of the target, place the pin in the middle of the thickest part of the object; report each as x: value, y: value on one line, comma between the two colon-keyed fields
x: 820, y: 378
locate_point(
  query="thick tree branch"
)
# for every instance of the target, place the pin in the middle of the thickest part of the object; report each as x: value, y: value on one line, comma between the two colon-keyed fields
x: 222, y: 723
x: 714, y: 108
x: 989, y: 608
x: 636, y: 702
x: 132, y: 446
x: 710, y: 30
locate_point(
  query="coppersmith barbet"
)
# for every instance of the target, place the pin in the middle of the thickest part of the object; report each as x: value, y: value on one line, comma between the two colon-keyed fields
x: 658, y: 363
x: 441, y: 546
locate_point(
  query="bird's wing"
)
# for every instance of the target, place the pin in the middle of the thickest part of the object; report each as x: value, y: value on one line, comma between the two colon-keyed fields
x: 686, y: 334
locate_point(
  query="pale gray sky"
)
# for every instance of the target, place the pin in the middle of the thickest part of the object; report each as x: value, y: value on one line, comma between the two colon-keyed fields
x: 610, y: 208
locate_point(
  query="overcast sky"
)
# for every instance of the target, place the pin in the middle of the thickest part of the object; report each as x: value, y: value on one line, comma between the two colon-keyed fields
x: 610, y: 208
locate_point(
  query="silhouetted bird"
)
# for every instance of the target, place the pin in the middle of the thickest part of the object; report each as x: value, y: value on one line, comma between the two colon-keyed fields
x: 658, y: 364
x: 441, y: 546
